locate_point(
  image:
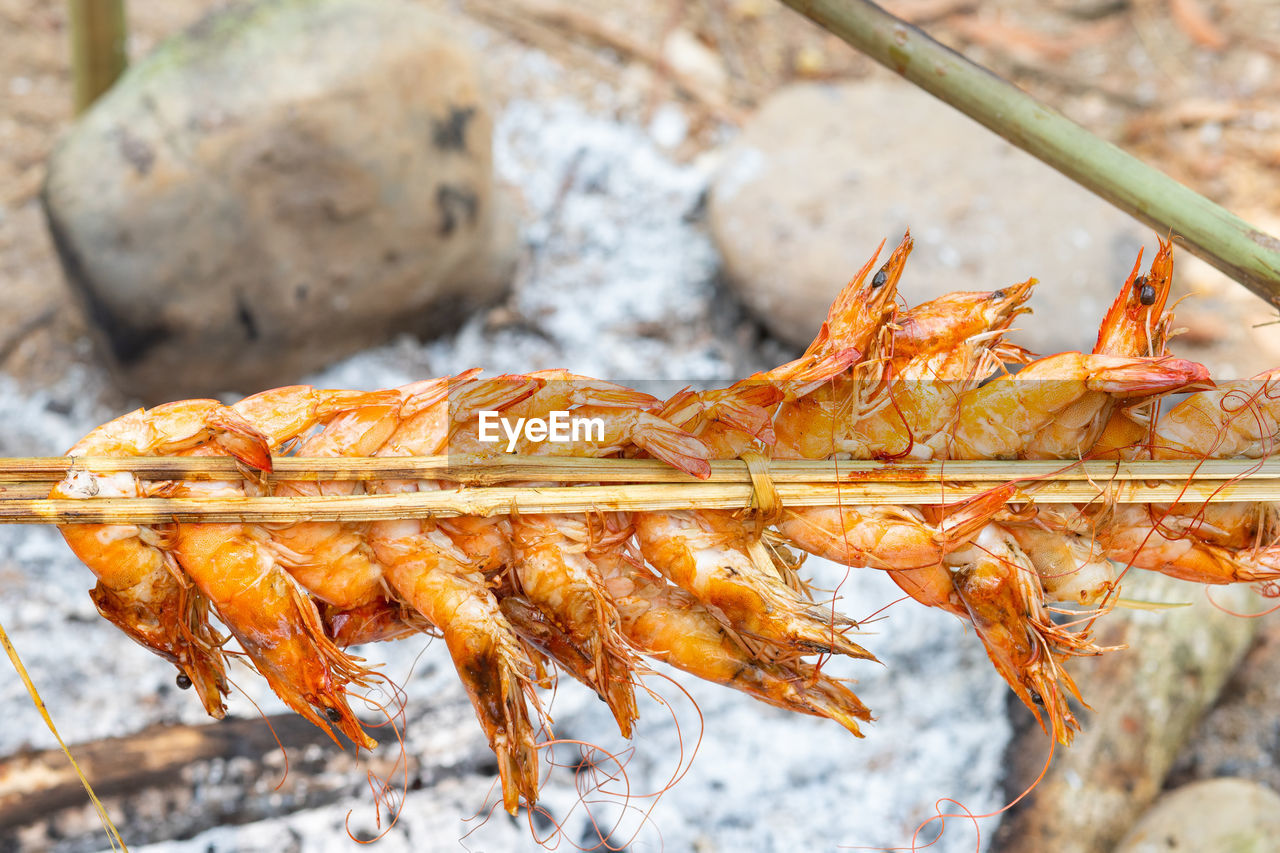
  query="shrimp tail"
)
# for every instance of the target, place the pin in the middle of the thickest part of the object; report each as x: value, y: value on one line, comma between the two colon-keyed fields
x: 673, y: 445
x: 240, y: 438
x: 966, y: 519
x: 1141, y: 377
x: 466, y: 401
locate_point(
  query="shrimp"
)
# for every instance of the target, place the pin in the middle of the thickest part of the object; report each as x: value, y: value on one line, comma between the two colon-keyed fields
x: 943, y: 354
x: 1135, y: 326
x: 994, y: 420
x: 897, y: 539
x: 937, y: 325
x: 237, y: 567
x: 671, y: 625
x: 1002, y: 593
x: 1159, y: 540
x: 556, y: 576
x: 425, y: 567
x: 709, y: 553
x: 141, y: 588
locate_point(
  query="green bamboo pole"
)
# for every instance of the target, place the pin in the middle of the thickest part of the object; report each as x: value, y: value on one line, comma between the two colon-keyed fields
x: 98, y: 55
x: 1235, y: 247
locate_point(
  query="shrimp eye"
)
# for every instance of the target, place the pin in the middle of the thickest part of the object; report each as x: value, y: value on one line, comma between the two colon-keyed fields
x: 997, y: 294
x: 1037, y: 698
x: 333, y: 714
x: 879, y: 279
x: 184, y: 681
x: 1147, y: 296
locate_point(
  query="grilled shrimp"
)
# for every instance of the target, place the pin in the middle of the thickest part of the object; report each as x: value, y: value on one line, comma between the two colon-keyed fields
x: 141, y: 588
x: 709, y: 553
x: 897, y: 539
x: 671, y: 625
x: 1135, y: 326
x: 238, y: 568
x: 995, y: 419
x: 555, y: 575
x: 1002, y: 593
x: 942, y: 323
x: 939, y: 354
x: 424, y: 566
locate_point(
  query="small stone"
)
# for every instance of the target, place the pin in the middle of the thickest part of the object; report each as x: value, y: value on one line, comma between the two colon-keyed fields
x: 692, y: 59
x: 286, y: 183
x: 823, y: 173
x: 1224, y: 815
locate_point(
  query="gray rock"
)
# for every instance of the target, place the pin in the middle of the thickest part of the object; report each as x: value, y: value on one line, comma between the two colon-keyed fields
x: 1146, y: 700
x: 823, y: 173
x: 283, y: 184
x: 1222, y: 815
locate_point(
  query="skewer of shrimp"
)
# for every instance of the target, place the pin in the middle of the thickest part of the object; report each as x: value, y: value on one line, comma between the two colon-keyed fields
x: 713, y: 555
x: 1216, y: 544
x: 947, y: 350
x: 141, y: 588
x: 333, y: 559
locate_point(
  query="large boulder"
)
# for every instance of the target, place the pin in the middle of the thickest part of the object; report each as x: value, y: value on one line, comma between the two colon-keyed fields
x: 822, y: 173
x: 283, y: 184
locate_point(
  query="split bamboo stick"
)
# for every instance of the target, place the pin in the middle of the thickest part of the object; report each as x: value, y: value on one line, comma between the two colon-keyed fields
x: 477, y: 472
x: 503, y: 500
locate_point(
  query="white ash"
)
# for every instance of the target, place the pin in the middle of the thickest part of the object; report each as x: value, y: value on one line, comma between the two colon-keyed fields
x: 619, y: 282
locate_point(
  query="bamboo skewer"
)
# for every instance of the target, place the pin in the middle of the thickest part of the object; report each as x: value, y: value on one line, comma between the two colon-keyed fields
x: 478, y: 472
x: 634, y: 485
